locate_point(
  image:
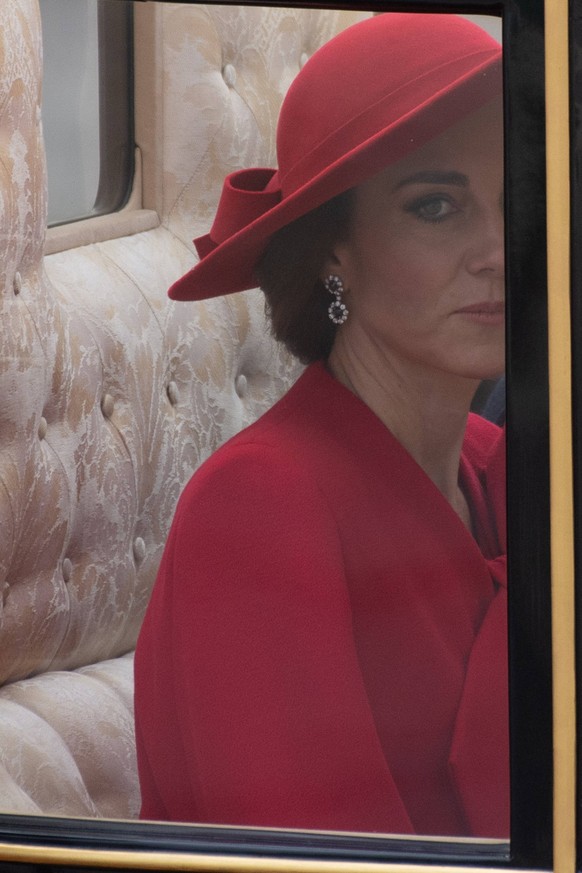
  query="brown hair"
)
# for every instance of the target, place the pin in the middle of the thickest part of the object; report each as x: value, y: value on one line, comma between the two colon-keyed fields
x: 289, y: 274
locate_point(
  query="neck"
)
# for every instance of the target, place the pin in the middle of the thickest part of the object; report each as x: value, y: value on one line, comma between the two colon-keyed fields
x: 425, y: 411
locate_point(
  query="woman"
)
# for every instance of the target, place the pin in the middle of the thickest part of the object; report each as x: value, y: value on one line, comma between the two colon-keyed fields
x: 325, y: 645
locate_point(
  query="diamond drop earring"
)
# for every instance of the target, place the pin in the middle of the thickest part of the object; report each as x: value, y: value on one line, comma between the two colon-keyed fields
x: 337, y: 311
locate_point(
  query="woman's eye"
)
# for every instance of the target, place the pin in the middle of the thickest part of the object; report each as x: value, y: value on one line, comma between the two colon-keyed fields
x: 432, y: 208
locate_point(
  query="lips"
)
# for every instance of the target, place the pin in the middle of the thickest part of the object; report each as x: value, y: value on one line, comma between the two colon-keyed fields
x: 488, y: 307
x: 487, y: 312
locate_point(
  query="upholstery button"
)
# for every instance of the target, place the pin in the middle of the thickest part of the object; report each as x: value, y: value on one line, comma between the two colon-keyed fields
x: 172, y: 392
x: 42, y: 428
x: 107, y: 405
x: 139, y: 550
x: 17, y: 283
x: 229, y: 75
x: 67, y: 569
x: 303, y: 59
x: 241, y: 385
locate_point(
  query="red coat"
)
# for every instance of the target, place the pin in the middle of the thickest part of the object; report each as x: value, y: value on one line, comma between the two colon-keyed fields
x: 325, y: 644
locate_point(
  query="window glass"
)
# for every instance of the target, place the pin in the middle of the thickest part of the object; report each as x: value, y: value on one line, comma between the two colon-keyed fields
x: 86, y: 99
x: 345, y: 628
x: 71, y: 106
x: 195, y: 82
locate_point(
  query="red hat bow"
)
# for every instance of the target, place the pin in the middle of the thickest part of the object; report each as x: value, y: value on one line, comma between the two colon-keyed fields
x: 246, y: 195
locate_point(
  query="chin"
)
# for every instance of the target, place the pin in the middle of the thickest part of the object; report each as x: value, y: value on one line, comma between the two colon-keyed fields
x: 486, y: 375
x: 488, y: 367
x: 490, y: 373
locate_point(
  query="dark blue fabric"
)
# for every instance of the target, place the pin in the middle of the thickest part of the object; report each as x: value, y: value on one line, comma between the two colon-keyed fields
x: 494, y: 408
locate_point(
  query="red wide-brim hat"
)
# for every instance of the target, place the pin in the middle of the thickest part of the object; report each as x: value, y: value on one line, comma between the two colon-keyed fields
x: 366, y: 99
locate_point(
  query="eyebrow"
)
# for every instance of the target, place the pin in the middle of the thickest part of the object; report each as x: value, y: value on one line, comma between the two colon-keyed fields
x: 434, y: 177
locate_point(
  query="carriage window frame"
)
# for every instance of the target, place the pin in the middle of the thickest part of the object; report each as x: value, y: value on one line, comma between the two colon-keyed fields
x: 172, y: 846
x: 116, y: 152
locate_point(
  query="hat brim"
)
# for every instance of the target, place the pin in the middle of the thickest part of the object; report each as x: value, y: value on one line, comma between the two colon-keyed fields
x: 229, y: 267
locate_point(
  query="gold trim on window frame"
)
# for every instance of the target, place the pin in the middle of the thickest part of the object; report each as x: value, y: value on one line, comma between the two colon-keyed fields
x: 561, y: 462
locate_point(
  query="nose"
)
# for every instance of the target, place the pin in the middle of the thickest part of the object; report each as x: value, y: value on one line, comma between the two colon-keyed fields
x: 487, y: 252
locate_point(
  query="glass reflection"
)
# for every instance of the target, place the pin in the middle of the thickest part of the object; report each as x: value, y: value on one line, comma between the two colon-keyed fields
x: 325, y: 644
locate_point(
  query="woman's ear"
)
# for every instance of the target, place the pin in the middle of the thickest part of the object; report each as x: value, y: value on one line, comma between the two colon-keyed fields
x: 337, y: 262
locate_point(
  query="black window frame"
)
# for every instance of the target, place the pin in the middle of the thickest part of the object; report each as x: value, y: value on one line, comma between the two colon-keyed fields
x: 116, y: 105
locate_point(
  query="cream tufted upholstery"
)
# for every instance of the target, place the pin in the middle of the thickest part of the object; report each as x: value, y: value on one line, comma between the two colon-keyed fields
x: 110, y: 395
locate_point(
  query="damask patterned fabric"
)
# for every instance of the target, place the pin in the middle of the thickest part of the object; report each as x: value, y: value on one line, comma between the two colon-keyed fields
x: 110, y: 395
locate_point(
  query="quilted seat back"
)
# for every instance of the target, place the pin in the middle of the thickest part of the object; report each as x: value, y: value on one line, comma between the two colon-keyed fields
x: 110, y: 395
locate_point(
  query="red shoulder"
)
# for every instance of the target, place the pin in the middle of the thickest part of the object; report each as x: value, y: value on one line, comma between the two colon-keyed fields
x: 483, y: 441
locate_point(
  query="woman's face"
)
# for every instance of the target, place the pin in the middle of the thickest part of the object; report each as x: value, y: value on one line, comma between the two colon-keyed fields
x: 423, y: 266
